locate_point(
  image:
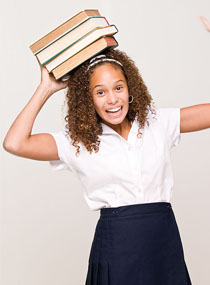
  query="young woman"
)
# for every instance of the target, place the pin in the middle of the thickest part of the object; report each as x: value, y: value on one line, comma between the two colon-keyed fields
x: 118, y: 144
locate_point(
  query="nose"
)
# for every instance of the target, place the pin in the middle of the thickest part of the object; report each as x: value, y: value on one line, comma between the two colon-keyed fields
x: 112, y: 98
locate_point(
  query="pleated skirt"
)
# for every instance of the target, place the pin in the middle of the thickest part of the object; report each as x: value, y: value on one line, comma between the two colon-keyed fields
x: 137, y: 244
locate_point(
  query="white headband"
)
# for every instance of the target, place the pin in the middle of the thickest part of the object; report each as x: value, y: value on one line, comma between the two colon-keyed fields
x: 101, y: 57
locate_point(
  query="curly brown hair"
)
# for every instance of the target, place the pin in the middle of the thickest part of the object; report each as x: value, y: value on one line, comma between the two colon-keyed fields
x: 83, y: 122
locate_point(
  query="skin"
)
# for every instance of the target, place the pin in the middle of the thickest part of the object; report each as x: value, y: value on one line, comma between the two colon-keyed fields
x: 205, y: 22
x: 111, y: 93
x: 49, y: 82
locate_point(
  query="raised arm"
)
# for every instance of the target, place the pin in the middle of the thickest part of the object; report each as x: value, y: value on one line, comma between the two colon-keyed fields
x: 18, y: 139
x: 195, y: 118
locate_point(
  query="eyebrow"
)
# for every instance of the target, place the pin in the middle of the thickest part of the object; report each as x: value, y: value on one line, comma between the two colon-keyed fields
x: 103, y: 85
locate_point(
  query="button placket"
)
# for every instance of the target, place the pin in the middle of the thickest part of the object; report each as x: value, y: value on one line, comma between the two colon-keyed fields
x: 138, y: 167
x: 135, y: 164
x: 132, y: 153
x: 132, y: 162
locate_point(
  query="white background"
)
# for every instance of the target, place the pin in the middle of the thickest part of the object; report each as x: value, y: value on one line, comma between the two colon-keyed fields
x: 46, y: 227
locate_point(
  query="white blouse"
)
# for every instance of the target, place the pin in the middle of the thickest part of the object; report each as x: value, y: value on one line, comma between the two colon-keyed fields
x: 125, y: 172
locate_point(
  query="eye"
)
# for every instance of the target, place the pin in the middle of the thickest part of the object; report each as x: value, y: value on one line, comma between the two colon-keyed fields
x: 119, y: 87
x: 99, y: 92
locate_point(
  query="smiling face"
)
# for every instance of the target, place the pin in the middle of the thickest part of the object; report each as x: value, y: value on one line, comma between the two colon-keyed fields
x: 109, y: 91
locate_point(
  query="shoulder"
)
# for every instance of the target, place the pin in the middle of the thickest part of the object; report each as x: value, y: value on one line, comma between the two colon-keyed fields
x: 168, y: 115
x: 169, y: 119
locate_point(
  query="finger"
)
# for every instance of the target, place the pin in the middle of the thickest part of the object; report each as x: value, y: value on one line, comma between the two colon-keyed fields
x: 65, y: 84
x: 205, y: 22
x: 65, y: 77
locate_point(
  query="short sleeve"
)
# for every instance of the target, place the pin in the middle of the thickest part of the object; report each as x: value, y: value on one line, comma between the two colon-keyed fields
x: 170, y: 119
x: 63, y: 146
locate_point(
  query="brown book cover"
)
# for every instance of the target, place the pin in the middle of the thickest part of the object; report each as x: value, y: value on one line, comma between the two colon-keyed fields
x: 60, y: 30
x: 88, y: 52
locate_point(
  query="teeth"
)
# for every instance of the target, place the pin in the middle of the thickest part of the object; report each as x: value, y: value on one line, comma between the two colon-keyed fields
x: 114, y: 110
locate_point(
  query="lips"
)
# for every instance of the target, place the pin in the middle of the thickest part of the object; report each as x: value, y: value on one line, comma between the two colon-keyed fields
x: 111, y: 110
x: 116, y: 114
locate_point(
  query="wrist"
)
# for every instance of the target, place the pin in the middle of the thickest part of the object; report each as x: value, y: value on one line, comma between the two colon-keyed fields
x: 45, y: 90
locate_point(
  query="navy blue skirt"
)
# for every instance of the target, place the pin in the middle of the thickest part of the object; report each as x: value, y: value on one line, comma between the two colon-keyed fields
x: 137, y: 245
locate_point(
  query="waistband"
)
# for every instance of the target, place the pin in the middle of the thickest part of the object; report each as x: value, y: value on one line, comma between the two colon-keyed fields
x: 135, y: 209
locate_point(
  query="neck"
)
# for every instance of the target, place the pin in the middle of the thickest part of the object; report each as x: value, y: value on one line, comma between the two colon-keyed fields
x: 122, y: 128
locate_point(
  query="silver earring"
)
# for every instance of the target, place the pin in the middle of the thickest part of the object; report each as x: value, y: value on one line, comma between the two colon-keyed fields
x: 131, y: 99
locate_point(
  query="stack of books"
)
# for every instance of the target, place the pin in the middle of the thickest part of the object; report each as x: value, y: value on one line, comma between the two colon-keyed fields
x: 75, y: 41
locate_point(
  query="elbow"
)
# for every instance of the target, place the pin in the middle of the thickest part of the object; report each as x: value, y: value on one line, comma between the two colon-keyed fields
x: 5, y: 145
x: 9, y: 147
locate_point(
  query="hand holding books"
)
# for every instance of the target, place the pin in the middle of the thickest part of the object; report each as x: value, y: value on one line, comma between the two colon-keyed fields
x: 49, y: 83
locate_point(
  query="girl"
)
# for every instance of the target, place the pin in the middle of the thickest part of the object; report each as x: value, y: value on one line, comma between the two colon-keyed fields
x: 118, y: 144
